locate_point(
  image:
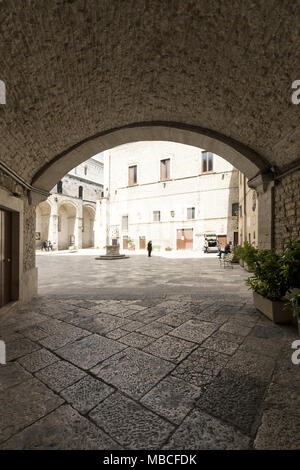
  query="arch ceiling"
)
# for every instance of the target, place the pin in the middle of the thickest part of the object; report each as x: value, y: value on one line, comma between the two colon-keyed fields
x: 84, y: 74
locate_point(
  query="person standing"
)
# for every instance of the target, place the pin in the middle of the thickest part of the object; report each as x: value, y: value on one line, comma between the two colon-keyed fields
x: 149, y: 247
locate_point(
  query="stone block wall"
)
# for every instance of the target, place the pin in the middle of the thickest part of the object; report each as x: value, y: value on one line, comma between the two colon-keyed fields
x: 287, y: 210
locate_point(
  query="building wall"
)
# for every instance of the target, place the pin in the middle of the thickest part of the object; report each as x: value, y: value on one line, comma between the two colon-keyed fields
x: 67, y: 219
x: 248, y: 212
x: 286, y: 210
x: 212, y: 195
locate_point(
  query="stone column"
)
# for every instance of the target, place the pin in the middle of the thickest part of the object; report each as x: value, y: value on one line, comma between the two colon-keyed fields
x: 264, y: 186
x: 53, y: 224
x: 78, y: 227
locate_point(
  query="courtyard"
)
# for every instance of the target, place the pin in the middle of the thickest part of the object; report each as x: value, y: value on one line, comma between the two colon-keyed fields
x: 159, y: 353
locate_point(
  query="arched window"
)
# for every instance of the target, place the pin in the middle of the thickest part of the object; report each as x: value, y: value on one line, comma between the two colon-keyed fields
x: 80, y: 192
x: 59, y: 187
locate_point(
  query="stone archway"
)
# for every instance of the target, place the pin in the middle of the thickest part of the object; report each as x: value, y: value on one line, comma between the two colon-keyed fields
x: 66, y: 225
x: 43, y: 211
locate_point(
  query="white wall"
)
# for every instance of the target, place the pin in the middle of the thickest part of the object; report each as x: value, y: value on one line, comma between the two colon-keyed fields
x: 211, y: 194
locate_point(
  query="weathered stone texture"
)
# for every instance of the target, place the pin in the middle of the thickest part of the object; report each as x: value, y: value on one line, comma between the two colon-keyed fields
x: 74, y: 70
x: 287, y: 210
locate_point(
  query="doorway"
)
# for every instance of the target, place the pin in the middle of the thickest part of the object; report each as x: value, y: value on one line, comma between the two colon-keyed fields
x: 5, y: 257
x: 185, y: 239
x: 142, y: 243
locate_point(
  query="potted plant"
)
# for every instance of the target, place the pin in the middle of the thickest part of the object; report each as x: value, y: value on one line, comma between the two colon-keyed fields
x: 239, y: 253
x: 168, y: 248
x: 249, y: 256
x: 270, y: 285
x: 131, y: 245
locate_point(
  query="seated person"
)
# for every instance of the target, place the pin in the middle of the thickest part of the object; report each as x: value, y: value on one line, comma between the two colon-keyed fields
x: 226, y: 250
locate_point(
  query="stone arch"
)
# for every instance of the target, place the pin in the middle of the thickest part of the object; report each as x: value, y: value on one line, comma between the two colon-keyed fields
x: 67, y: 213
x: 88, y: 226
x: 43, y: 212
x: 243, y: 158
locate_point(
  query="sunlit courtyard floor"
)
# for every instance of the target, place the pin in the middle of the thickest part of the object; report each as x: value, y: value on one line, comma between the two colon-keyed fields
x: 159, y: 353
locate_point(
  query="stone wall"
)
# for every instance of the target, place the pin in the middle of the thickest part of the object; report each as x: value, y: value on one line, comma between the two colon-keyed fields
x: 287, y: 210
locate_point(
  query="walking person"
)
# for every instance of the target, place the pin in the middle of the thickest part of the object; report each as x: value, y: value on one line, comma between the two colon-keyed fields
x: 149, y: 247
x: 44, y: 245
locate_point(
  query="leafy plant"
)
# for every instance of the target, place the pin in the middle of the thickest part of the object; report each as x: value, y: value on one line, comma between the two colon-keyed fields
x: 294, y: 300
x: 249, y: 254
x: 291, y: 263
x: 269, y: 280
x: 239, y: 252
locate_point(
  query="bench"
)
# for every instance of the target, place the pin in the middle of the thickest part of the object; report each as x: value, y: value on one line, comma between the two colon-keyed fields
x: 226, y: 260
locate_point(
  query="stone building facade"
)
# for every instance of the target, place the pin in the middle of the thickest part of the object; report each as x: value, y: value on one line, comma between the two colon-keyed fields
x: 169, y: 193
x: 68, y: 217
x: 248, y: 212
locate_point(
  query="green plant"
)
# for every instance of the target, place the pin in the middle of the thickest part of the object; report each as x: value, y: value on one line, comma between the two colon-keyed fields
x: 269, y: 280
x: 239, y: 252
x: 291, y: 263
x: 249, y: 255
x: 130, y: 241
x: 294, y: 300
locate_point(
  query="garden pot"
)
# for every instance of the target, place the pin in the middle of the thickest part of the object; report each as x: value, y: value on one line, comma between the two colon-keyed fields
x: 241, y: 261
x: 247, y: 268
x: 279, y: 311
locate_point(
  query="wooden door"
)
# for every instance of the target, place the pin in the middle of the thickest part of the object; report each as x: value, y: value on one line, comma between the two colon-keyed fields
x: 5, y: 256
x: 125, y: 242
x: 142, y: 243
x: 235, y: 238
x: 185, y: 239
x: 222, y: 240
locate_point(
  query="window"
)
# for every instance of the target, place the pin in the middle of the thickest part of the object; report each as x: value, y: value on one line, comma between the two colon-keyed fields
x: 59, y: 187
x: 132, y: 175
x: 165, y: 169
x: 207, y: 162
x: 85, y: 170
x: 191, y: 213
x: 80, y: 192
x: 172, y: 213
x: 156, y: 216
x: 125, y: 222
x: 235, y: 209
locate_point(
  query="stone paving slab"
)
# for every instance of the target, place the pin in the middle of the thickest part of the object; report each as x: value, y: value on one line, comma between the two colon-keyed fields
x: 172, y: 399
x: 279, y: 430
x: 86, y: 394
x: 155, y: 329
x: 252, y: 364
x: 201, y: 367
x: 37, y: 360
x: 63, y: 429
x: 59, y: 375
x: 235, y: 399
x: 194, y: 330
x: 28, y: 402
x: 200, y: 431
x: 171, y: 348
x: 103, y: 323
x: 133, y: 372
x: 88, y: 352
x: 16, y: 348
x: 136, y: 340
x: 130, y: 424
x: 12, y: 374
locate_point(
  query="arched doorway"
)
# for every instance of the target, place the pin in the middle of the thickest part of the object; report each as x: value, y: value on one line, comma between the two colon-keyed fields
x: 66, y: 226
x: 43, y: 211
x: 88, y: 229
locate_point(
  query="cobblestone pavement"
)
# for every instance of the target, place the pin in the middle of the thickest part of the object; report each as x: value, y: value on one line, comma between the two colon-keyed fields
x: 187, y: 370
